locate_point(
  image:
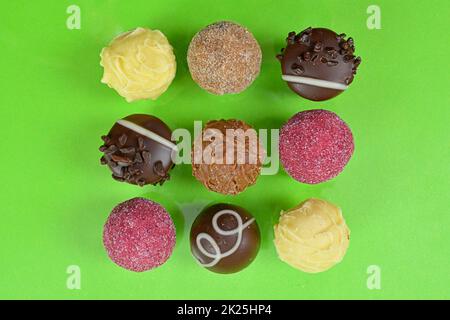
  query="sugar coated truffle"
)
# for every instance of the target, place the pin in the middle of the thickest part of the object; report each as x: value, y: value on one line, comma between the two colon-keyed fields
x: 315, y: 146
x: 318, y: 64
x: 138, y: 150
x: 224, y: 58
x: 227, y: 156
x: 312, y: 237
x: 139, y: 235
x: 139, y: 64
x: 225, y: 238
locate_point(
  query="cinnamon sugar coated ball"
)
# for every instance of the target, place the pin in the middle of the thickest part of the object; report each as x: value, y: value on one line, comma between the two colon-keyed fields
x: 139, y: 235
x: 315, y: 146
x: 224, y: 58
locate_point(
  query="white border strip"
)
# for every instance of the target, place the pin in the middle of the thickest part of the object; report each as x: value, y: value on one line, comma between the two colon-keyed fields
x: 147, y: 133
x: 315, y: 82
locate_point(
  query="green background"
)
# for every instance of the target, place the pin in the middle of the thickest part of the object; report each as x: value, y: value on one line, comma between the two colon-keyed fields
x: 56, y: 197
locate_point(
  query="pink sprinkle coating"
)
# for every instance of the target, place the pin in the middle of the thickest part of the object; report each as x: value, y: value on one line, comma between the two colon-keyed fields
x: 139, y: 235
x: 315, y: 146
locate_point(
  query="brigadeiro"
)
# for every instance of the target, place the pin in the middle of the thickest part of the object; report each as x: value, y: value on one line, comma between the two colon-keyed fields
x: 138, y: 150
x: 318, y: 64
x: 227, y: 156
x: 139, y: 235
x: 225, y: 238
x: 224, y: 58
x: 315, y: 146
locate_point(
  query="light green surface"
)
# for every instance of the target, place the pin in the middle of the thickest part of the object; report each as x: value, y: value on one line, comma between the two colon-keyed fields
x: 56, y: 197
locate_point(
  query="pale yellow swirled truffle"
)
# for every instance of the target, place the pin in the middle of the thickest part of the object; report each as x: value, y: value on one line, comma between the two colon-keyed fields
x: 312, y: 237
x: 139, y: 64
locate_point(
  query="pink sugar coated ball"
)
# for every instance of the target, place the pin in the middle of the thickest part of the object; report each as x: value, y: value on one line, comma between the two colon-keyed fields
x: 139, y: 235
x: 315, y: 146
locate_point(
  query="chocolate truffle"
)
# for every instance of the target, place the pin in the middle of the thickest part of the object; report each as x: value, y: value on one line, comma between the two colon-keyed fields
x: 225, y: 238
x: 139, y: 235
x: 227, y: 156
x: 224, y: 58
x: 139, y: 64
x: 318, y: 64
x: 315, y: 146
x: 138, y: 150
x: 312, y: 237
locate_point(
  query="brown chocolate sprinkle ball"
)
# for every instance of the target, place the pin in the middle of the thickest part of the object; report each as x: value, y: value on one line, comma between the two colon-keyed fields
x: 138, y: 150
x: 227, y: 157
x: 224, y: 58
x: 318, y: 64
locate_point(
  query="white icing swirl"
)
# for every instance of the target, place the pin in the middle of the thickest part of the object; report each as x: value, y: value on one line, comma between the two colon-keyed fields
x: 315, y: 82
x: 147, y: 133
x: 217, y: 256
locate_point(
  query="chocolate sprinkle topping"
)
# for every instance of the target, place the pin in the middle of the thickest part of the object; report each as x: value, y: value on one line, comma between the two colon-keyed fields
x: 321, y: 54
x: 138, y: 158
x: 141, y: 145
x: 134, y: 158
x: 128, y: 150
x: 122, y: 140
x: 158, y: 169
x: 120, y: 158
x: 111, y: 149
x: 146, y: 156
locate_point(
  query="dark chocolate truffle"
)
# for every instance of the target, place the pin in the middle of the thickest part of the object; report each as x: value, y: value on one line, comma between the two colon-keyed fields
x: 138, y: 150
x: 234, y: 160
x: 224, y: 58
x: 225, y: 238
x: 318, y: 64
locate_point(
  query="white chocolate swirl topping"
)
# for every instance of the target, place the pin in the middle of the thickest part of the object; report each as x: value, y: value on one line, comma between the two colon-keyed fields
x: 217, y: 255
x: 147, y: 133
x: 315, y: 82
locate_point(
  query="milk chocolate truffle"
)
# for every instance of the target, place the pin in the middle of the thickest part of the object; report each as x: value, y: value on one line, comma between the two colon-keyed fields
x: 138, y: 150
x: 227, y: 156
x: 139, y: 235
x: 312, y: 237
x: 315, y: 146
x: 139, y: 64
x: 225, y: 238
x: 224, y: 58
x: 318, y: 64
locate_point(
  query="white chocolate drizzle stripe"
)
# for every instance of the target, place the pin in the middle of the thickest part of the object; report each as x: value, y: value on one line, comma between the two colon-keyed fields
x: 217, y: 255
x: 147, y: 133
x: 315, y: 82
